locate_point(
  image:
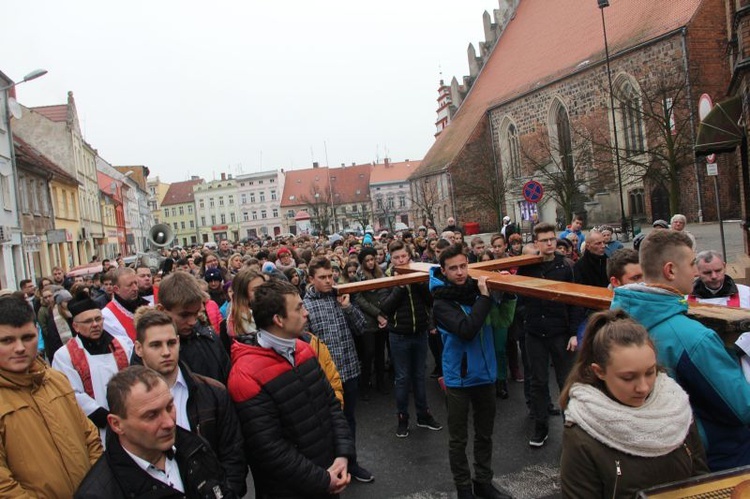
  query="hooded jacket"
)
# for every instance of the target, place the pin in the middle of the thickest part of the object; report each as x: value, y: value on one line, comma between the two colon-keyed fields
x: 697, y: 359
x: 292, y: 423
x: 46, y: 442
x: 465, y: 327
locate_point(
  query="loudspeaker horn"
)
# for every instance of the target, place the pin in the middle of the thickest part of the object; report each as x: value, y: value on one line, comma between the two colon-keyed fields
x: 160, y: 235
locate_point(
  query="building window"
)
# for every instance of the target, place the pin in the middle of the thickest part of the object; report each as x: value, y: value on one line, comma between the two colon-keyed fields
x: 213, y: 219
x: 202, y: 204
x: 354, y: 208
x: 272, y: 180
x: 223, y: 218
x: 192, y: 224
x: 231, y: 200
x: 174, y: 212
x: 182, y: 211
x: 232, y: 217
x: 182, y: 225
x: 243, y: 199
x: 221, y: 200
x: 190, y: 209
x: 290, y: 214
x: 252, y: 198
x: 275, y: 212
x: 379, y: 203
x: 166, y: 212
x: 631, y: 122
x: 402, y: 201
x: 262, y: 213
x: 255, y: 215
x: 564, y: 141
x: 391, y: 204
x: 174, y: 224
x: 343, y: 210
x: 262, y: 197
x: 203, y: 221
x: 260, y: 182
x: 211, y: 202
x: 514, y: 156
x: 245, y: 216
x: 273, y: 195
x: 637, y: 202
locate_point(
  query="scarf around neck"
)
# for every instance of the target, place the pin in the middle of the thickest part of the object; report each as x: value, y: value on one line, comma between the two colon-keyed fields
x: 465, y: 294
x: 654, y: 429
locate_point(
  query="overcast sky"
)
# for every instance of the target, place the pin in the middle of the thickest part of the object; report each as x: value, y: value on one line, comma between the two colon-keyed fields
x: 197, y: 88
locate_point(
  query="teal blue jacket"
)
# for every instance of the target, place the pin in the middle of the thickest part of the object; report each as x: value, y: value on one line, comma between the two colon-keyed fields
x: 696, y: 358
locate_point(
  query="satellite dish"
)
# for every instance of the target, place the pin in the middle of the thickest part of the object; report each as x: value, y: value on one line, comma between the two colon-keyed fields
x: 15, y: 108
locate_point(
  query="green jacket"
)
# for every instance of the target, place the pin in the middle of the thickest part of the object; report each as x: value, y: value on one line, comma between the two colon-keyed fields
x: 590, y: 469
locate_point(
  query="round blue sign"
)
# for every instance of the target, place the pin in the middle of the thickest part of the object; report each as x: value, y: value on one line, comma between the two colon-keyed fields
x: 533, y: 191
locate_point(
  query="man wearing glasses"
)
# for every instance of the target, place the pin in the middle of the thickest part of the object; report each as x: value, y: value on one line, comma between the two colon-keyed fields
x: 91, y: 358
x: 550, y: 331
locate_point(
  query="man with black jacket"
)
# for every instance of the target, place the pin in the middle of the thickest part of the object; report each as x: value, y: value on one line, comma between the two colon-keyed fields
x: 297, y: 440
x: 147, y: 453
x: 202, y: 404
x: 591, y: 268
x: 408, y: 309
x: 200, y: 348
x: 550, y: 330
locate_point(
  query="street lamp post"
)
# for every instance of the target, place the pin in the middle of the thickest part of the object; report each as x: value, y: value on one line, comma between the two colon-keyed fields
x: 623, y: 221
x: 5, y: 94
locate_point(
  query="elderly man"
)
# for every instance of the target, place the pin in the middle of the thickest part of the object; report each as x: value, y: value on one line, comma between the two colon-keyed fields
x: 714, y: 285
x: 119, y: 312
x: 48, y: 444
x: 148, y: 454
x: 678, y: 223
x: 591, y: 268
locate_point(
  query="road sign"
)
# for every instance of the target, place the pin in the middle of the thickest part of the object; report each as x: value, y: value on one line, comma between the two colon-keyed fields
x: 533, y: 191
x: 711, y: 158
x: 712, y: 169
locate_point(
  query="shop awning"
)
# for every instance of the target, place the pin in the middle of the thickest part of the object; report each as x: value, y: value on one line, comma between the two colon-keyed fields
x: 721, y: 130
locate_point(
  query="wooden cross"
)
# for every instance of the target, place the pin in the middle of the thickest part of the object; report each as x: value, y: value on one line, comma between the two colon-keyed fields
x: 727, y: 321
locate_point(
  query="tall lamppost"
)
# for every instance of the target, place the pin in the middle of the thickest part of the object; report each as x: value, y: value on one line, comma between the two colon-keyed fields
x: 623, y: 221
x: 5, y: 115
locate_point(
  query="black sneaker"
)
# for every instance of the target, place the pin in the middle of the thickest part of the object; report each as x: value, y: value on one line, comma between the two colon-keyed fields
x: 488, y: 491
x: 427, y: 421
x: 403, y: 426
x: 360, y: 474
x: 465, y: 492
x: 540, y: 436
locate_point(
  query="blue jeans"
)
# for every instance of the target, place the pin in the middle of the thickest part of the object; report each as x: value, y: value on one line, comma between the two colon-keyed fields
x: 409, y: 353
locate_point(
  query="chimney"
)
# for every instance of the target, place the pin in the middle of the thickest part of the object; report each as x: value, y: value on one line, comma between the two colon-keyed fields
x: 194, y: 177
x: 343, y: 165
x: 353, y: 163
x: 387, y: 162
x: 315, y: 164
x: 223, y: 176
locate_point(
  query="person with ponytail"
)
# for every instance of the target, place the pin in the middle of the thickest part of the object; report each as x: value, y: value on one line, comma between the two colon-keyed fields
x: 628, y: 425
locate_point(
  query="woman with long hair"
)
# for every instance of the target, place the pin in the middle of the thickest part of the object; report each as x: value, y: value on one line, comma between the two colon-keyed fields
x: 239, y: 317
x: 629, y: 426
x: 234, y: 263
x: 429, y: 255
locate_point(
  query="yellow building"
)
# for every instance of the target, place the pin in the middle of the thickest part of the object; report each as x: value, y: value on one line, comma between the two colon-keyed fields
x: 157, y: 190
x: 178, y: 211
x: 61, y: 240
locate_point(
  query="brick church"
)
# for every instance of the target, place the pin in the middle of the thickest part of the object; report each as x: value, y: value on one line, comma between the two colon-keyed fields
x: 536, y: 105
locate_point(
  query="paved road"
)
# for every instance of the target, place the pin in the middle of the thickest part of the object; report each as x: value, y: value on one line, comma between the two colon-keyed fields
x: 417, y: 467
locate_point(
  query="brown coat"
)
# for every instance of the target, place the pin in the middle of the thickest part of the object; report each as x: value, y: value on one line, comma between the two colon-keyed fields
x: 590, y: 469
x: 326, y: 363
x: 47, y: 444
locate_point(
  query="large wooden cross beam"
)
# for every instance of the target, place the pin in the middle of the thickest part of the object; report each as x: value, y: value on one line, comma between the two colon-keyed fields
x: 728, y: 322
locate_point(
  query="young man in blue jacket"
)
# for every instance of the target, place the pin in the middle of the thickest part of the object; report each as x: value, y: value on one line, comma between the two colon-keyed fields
x: 692, y: 354
x: 461, y: 311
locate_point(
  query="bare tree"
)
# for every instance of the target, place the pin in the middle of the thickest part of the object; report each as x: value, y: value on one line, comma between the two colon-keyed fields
x: 564, y: 162
x: 481, y: 188
x: 362, y: 216
x: 319, y: 206
x: 655, y: 131
x: 425, y: 197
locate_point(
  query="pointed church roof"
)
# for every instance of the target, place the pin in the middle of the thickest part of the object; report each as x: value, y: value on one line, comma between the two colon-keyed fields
x: 547, y: 40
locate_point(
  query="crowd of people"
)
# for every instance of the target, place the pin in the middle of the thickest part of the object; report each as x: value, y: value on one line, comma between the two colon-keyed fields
x: 183, y: 379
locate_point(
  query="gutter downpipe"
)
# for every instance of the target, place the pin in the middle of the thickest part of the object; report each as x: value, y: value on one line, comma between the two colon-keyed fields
x: 683, y: 32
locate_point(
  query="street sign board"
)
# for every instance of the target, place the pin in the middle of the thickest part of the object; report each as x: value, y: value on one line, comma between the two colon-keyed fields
x: 712, y: 169
x: 533, y: 191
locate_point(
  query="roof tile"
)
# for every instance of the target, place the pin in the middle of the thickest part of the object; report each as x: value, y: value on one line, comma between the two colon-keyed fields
x: 180, y: 192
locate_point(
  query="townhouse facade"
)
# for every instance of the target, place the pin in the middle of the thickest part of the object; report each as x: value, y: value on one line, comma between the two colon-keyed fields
x: 178, y: 211
x: 216, y: 209
x: 391, y: 194
x: 259, y: 206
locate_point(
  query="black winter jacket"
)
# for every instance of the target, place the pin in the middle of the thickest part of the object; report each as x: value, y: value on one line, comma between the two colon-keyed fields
x: 204, y: 353
x: 212, y: 416
x: 370, y: 304
x: 591, y: 270
x: 546, y: 317
x: 116, y: 476
x: 408, y: 308
x: 292, y: 422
